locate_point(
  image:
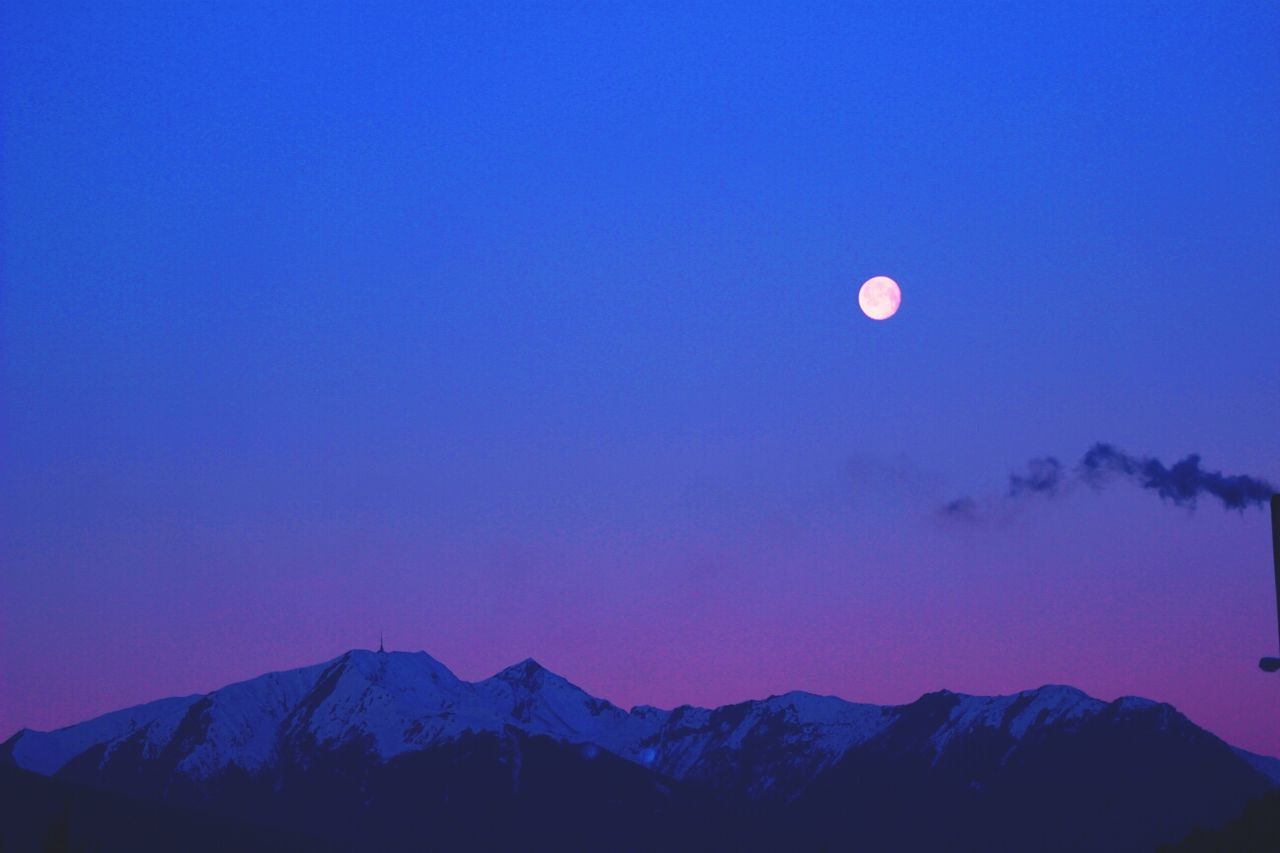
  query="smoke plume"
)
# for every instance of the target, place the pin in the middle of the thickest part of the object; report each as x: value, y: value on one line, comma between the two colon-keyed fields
x: 1182, y: 484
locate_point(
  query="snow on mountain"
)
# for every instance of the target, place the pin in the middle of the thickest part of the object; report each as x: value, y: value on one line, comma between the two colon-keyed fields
x: 828, y: 722
x: 389, y: 703
x: 242, y: 721
x: 46, y: 752
x: 394, y: 702
x: 538, y: 701
x: 780, y: 742
x: 386, y: 704
x: 1016, y: 713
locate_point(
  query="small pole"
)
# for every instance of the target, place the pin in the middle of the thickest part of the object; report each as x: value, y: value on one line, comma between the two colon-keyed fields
x: 1275, y: 549
x: 1273, y: 664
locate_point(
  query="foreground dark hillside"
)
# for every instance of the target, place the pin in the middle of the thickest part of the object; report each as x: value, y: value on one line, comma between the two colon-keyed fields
x: 1256, y: 829
x: 568, y: 800
x: 42, y: 814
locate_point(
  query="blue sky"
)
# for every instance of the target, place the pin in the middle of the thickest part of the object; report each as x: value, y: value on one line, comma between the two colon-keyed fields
x: 533, y: 330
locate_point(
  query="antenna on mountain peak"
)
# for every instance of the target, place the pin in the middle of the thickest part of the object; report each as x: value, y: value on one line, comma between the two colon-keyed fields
x: 381, y: 650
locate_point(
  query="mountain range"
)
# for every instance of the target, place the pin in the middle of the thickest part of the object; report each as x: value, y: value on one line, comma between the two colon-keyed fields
x: 392, y: 751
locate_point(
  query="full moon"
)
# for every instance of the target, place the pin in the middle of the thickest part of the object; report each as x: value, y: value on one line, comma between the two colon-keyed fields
x: 879, y: 297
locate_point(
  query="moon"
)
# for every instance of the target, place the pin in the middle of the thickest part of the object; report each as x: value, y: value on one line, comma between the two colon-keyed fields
x: 879, y: 297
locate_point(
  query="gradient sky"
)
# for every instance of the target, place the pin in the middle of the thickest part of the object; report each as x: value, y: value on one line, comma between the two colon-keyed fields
x: 531, y: 330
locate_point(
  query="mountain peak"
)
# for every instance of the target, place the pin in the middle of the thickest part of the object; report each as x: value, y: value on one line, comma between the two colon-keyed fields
x: 528, y: 666
x: 530, y: 674
x: 1065, y: 690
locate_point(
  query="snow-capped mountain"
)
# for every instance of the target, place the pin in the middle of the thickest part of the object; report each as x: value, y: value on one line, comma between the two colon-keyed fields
x: 393, y: 702
x: 368, y: 727
x: 396, y: 702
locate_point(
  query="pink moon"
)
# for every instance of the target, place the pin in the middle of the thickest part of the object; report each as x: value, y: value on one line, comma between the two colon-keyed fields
x: 879, y: 297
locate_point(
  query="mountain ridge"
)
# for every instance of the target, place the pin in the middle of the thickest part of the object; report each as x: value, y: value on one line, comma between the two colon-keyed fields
x: 363, y: 682
x: 367, y: 726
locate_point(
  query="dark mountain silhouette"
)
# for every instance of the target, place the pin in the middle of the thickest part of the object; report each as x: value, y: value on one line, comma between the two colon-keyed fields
x: 391, y: 751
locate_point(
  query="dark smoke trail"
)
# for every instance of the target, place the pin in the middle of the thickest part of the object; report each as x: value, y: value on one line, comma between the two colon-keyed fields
x: 1182, y: 484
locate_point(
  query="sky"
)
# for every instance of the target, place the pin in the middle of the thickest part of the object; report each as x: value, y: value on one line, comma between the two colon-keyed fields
x: 520, y: 330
